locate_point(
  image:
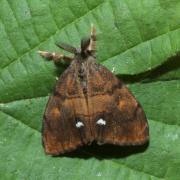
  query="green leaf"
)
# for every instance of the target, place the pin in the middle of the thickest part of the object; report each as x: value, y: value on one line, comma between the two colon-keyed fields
x: 139, y: 40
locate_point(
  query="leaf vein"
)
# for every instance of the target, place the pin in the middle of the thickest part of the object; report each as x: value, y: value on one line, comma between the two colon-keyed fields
x: 138, y: 44
x: 50, y: 36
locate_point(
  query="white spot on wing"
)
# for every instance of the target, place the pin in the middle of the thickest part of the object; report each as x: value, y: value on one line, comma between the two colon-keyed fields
x: 79, y: 124
x: 101, y: 122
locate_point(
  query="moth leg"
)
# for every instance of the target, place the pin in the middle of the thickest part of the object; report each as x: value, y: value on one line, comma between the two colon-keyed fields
x: 56, y: 57
x: 92, y: 44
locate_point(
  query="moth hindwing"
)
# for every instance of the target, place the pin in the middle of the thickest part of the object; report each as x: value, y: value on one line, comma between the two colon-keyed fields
x: 89, y: 104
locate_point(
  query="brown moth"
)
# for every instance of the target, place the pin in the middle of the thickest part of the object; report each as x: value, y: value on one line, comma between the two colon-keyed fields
x: 89, y: 104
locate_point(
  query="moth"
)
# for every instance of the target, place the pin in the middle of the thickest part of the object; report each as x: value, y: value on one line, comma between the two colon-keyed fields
x: 89, y: 104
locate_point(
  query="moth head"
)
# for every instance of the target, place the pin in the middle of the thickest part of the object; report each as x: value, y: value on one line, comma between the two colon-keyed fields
x: 83, y: 52
x: 88, y: 46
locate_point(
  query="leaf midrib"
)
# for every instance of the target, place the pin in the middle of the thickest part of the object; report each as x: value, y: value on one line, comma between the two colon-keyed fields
x: 46, y: 96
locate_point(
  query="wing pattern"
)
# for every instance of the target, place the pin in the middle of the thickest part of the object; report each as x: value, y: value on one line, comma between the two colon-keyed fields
x: 123, y: 121
x: 106, y: 113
